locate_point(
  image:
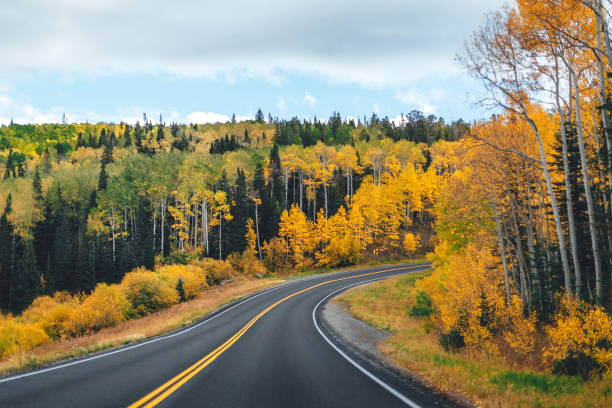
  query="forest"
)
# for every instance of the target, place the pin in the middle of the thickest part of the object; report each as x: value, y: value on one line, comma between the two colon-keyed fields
x: 84, y: 204
x: 515, y: 211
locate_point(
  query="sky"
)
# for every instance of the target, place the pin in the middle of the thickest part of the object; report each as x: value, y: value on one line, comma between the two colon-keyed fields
x: 197, y: 61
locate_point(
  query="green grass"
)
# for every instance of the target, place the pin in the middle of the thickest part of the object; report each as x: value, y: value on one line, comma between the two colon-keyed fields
x: 548, y: 384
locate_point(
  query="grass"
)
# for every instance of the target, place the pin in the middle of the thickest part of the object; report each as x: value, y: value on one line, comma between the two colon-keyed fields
x: 486, y: 381
x: 135, y: 330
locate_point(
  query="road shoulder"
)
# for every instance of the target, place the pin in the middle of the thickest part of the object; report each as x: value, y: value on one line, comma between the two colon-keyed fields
x: 363, y: 340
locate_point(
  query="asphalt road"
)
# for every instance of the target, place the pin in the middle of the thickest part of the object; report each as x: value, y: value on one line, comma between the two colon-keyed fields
x: 268, y: 350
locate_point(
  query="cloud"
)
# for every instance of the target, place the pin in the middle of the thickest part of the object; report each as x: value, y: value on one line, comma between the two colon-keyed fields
x: 426, y: 103
x: 367, y: 42
x: 309, y: 99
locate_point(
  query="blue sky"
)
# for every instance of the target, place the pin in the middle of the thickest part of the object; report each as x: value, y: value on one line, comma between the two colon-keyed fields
x: 194, y: 61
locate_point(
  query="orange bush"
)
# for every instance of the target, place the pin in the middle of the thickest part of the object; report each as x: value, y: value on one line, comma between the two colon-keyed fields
x: 105, y: 307
x: 52, y: 313
x: 17, y: 337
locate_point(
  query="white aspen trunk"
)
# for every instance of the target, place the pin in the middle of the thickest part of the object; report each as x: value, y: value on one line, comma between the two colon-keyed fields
x: 163, y: 219
x: 568, y: 190
x: 257, y: 230
x: 314, y: 212
x: 205, y: 215
x: 154, y: 227
x: 286, y: 188
x: 587, y: 191
x: 553, y: 204
x: 325, y: 197
x: 518, y: 249
x: 502, y: 248
x: 301, y: 187
x: 220, y: 230
x: 195, y: 227
x: 113, y: 234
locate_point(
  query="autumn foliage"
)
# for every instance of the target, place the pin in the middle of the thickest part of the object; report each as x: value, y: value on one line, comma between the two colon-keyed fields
x: 141, y: 292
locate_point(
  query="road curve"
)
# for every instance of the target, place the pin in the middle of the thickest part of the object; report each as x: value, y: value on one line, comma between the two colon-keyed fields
x: 268, y: 350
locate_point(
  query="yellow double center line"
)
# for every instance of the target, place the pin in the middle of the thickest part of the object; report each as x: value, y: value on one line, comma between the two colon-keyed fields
x: 163, y: 391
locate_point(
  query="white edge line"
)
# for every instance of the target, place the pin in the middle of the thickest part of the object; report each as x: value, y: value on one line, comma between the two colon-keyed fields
x: 164, y: 337
x: 350, y: 360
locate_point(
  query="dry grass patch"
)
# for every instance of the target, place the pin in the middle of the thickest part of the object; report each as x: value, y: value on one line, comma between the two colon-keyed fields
x: 134, y: 330
x: 485, y: 380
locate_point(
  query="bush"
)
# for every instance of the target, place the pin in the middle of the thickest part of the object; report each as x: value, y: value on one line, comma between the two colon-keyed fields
x: 341, y: 251
x: 423, y: 306
x: 577, y: 363
x: 216, y: 271
x: 246, y: 264
x: 410, y: 244
x: 193, y: 278
x: 452, y: 341
x: 52, y: 313
x: 146, y: 292
x: 275, y: 251
x: 580, y: 338
x: 17, y: 337
x: 105, y: 307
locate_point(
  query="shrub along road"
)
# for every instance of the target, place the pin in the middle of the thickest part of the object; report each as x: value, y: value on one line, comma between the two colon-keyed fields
x: 268, y: 350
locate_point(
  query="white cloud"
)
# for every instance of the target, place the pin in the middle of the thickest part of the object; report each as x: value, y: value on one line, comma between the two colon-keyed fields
x: 207, y: 117
x: 368, y: 42
x: 309, y: 99
x: 424, y: 102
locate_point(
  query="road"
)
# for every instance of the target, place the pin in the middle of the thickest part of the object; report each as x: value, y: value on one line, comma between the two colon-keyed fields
x: 268, y: 350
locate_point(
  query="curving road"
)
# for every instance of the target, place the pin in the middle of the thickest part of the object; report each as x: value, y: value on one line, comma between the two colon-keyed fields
x: 268, y: 350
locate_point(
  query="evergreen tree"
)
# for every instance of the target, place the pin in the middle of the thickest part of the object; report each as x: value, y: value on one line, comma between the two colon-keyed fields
x: 37, y: 186
x: 102, y: 178
x: 25, y: 282
x: 107, y: 154
x: 127, y: 140
x: 80, y: 141
x: 103, y: 140
x: 10, y: 167
x: 259, y: 116
x: 6, y: 238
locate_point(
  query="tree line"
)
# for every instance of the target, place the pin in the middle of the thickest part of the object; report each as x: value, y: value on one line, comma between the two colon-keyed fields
x: 127, y: 196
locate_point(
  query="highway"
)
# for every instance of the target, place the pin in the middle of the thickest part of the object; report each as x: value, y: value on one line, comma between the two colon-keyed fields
x: 268, y: 350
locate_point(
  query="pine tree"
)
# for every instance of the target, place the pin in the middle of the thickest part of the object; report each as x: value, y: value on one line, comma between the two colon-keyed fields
x: 6, y: 238
x: 37, y: 186
x: 127, y: 140
x: 107, y: 154
x: 25, y: 282
x: 10, y: 167
x: 102, y: 178
x: 259, y: 116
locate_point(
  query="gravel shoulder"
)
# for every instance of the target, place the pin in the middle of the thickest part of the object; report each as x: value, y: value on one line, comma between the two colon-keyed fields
x: 363, y: 339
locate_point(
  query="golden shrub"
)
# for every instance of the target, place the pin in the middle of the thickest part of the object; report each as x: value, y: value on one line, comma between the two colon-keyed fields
x: 246, y: 263
x: 17, y: 337
x: 520, y: 332
x: 192, y: 276
x: 51, y: 313
x: 410, y: 243
x: 146, y: 292
x: 105, y: 307
x: 216, y: 271
x: 275, y: 252
x: 580, y: 328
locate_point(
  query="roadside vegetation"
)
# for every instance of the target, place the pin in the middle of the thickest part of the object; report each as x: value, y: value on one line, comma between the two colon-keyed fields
x: 26, y: 354
x: 485, y: 378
